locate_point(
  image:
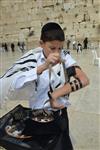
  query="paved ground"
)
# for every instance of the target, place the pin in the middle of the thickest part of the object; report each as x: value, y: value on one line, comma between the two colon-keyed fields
x: 84, y: 112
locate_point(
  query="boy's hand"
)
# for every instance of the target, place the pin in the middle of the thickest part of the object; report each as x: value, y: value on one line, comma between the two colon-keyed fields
x: 54, y: 103
x: 53, y: 58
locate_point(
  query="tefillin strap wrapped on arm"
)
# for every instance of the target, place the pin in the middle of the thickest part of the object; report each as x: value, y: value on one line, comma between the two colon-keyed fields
x: 75, y: 84
x: 71, y: 71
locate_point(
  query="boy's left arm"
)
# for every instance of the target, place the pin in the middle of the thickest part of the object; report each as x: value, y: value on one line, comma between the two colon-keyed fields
x: 79, y: 81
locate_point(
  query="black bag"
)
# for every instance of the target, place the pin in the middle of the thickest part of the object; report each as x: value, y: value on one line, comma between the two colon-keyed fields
x: 20, y: 132
x: 28, y: 134
x: 13, y: 121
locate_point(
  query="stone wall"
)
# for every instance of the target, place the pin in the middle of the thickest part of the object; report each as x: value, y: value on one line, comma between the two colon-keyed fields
x: 21, y: 20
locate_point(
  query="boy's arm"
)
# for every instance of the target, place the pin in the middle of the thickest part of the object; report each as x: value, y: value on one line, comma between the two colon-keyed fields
x: 80, y: 80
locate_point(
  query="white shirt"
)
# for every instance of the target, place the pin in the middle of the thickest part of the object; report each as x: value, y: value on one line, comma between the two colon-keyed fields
x: 39, y: 98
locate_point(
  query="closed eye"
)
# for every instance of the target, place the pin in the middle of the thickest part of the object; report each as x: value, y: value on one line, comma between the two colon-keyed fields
x: 54, y: 48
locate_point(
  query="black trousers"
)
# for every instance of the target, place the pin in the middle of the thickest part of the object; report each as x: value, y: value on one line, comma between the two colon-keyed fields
x: 48, y: 136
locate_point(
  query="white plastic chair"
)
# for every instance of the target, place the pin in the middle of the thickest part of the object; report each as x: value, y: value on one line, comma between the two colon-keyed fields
x: 96, y: 59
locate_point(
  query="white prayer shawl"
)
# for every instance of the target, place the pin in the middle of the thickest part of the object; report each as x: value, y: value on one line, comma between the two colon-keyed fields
x: 25, y: 63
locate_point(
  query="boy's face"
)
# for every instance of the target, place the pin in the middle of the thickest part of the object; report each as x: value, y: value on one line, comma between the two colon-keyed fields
x: 52, y: 47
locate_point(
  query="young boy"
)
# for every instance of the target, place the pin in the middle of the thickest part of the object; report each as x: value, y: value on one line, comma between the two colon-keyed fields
x: 47, y: 69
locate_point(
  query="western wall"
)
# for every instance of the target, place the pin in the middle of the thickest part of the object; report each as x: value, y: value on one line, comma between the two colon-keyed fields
x: 21, y: 20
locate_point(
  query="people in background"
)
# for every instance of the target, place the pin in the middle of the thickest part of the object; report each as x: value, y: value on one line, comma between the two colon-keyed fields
x: 85, y: 43
x: 12, y: 47
x: 21, y: 46
x: 74, y: 45
x: 68, y: 44
x: 79, y: 47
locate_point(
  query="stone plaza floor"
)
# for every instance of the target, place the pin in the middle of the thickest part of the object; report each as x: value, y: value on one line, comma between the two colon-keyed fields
x: 84, y: 112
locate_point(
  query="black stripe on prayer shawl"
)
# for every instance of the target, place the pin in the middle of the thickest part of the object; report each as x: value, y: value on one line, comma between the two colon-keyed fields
x: 26, y: 69
x: 22, y: 59
x: 18, y: 62
x: 26, y: 61
x: 22, y: 69
x: 58, y: 85
x: 58, y: 73
x: 66, y: 52
x: 5, y: 73
x: 11, y: 74
x: 33, y: 60
x: 26, y: 56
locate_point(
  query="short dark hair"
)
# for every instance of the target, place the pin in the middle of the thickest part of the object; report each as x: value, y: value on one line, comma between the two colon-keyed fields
x: 52, y: 31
